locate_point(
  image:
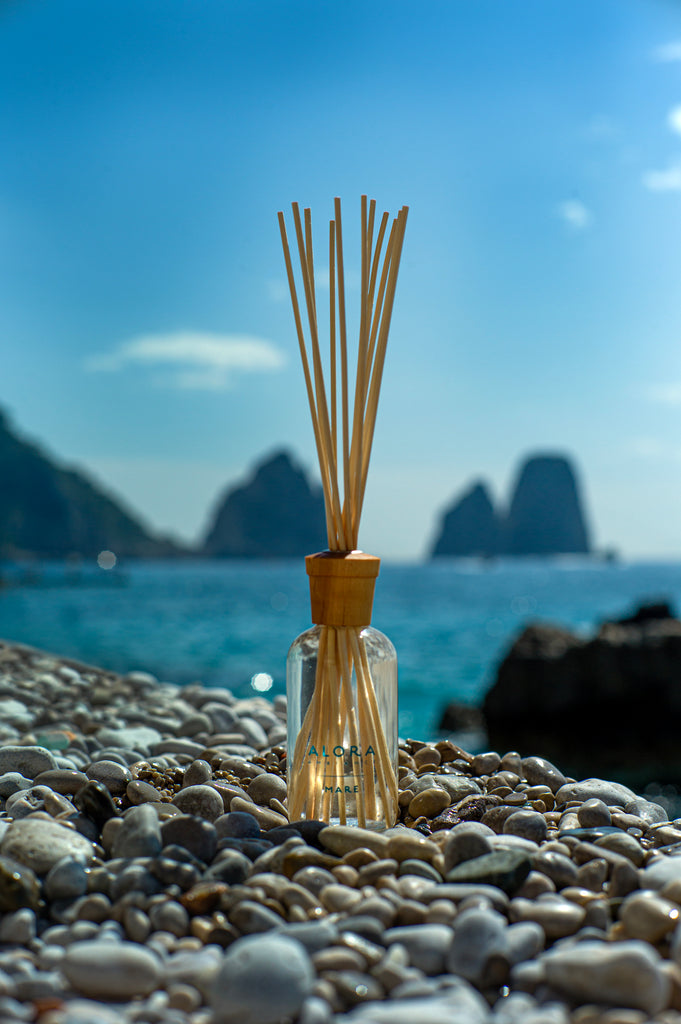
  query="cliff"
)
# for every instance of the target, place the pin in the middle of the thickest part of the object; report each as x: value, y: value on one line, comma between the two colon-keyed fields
x: 47, y: 511
x: 545, y: 516
x: 471, y: 527
x: 274, y: 514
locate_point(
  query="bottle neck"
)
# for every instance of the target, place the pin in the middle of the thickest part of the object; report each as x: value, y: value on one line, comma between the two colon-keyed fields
x: 342, y: 587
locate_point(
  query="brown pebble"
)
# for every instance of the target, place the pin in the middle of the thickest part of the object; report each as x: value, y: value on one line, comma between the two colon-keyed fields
x: 427, y: 756
x: 358, y: 858
x: 410, y: 912
x: 406, y: 845
x: 203, y: 897
x: 371, y: 872
x: 306, y: 856
x: 139, y: 792
x: 338, y: 958
x: 345, y: 874
x: 429, y: 803
x: 495, y: 817
x: 592, y: 874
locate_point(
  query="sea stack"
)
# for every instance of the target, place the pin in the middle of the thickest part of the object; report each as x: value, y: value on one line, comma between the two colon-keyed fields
x: 470, y: 527
x: 545, y: 515
x: 274, y: 514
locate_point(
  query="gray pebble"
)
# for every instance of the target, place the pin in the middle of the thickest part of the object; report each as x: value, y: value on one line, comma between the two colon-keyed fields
x: 196, y: 835
x: 66, y: 880
x: 593, y: 813
x: 559, y: 868
x: 478, y: 934
x: 113, y: 775
x: 39, y: 843
x: 426, y: 944
x: 599, y: 789
x: 465, y: 843
x: 198, y: 772
x: 112, y: 970
x: 266, y: 787
x: 28, y: 761
x: 19, y: 927
x: 202, y: 801
x: 526, y: 824
x: 619, y: 974
x: 12, y: 782
x: 25, y: 801
x: 540, y: 772
x: 66, y: 781
x: 262, y: 979
x: 139, y: 835
x: 169, y: 916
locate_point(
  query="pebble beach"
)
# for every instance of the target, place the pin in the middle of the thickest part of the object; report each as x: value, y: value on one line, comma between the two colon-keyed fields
x: 149, y: 874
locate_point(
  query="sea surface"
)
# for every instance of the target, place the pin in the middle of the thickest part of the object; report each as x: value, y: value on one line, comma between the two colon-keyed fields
x: 231, y: 623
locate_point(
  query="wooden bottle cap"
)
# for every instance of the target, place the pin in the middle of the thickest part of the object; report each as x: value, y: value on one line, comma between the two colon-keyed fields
x: 342, y: 587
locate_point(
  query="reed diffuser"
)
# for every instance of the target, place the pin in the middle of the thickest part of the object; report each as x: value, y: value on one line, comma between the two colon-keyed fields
x: 342, y: 673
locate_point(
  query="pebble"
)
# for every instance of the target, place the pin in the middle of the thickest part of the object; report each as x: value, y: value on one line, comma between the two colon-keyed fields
x: 260, y: 980
x: 540, y: 772
x: 646, y: 915
x: 506, y: 873
x: 26, y: 760
x: 593, y: 812
x: 526, y: 824
x: 139, y: 834
x: 39, y: 843
x: 427, y: 945
x: 111, y: 970
x: 598, y: 789
x: 113, y: 775
x: 625, y: 974
x: 200, y: 800
x: 506, y: 869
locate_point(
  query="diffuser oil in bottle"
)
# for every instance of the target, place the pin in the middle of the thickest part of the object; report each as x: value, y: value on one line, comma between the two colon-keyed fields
x: 342, y: 701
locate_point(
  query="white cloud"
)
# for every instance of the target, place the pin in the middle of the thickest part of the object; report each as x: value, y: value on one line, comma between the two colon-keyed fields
x: 196, y: 360
x: 575, y: 214
x: 668, y: 180
x: 674, y: 119
x: 668, y: 52
x: 666, y: 394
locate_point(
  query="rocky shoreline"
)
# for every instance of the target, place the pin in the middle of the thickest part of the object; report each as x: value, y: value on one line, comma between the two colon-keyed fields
x: 149, y: 874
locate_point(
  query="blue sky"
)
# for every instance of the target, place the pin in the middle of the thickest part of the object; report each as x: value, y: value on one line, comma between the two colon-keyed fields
x: 145, y: 328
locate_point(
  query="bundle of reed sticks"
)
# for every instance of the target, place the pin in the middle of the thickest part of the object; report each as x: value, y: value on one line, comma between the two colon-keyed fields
x: 343, y: 709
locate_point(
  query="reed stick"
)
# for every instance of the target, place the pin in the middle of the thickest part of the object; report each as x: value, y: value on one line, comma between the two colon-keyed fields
x: 343, y: 711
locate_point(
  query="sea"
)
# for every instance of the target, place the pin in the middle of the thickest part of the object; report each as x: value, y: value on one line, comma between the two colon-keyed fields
x: 230, y: 623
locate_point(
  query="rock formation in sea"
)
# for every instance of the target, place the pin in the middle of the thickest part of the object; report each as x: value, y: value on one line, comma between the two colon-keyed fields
x: 610, y: 702
x: 276, y: 513
x: 470, y: 527
x: 48, y: 511
x: 545, y: 516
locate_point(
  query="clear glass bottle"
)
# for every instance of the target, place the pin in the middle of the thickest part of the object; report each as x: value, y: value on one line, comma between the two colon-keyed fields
x: 342, y: 701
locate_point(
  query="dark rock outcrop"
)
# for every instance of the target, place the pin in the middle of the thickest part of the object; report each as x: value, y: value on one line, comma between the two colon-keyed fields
x: 471, y: 527
x: 545, y: 515
x: 51, y: 512
x: 608, y: 705
x: 275, y: 514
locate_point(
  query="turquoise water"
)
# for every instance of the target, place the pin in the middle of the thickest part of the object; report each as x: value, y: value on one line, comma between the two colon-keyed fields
x: 226, y: 623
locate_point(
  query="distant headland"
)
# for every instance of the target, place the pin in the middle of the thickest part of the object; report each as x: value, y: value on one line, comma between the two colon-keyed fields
x: 49, y: 511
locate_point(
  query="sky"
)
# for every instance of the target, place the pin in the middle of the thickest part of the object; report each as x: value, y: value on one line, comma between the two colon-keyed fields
x: 146, y: 331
